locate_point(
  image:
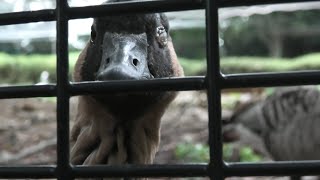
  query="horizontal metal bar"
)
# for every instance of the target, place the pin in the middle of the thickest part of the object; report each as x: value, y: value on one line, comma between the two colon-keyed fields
x: 27, y: 91
x: 134, y: 7
x: 280, y: 168
x: 197, y: 170
x: 126, y: 7
x: 270, y: 79
x: 234, y: 3
x: 14, y: 172
x: 102, y: 10
x: 27, y: 17
x: 165, y: 84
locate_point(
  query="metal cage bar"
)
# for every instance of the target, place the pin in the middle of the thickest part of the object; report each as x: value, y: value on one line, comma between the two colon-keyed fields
x: 127, y: 7
x: 27, y: 17
x: 63, y: 165
x: 214, y: 82
x: 27, y: 91
x: 9, y: 172
x: 101, y: 10
x: 141, y: 171
x: 214, y: 91
x: 281, y: 168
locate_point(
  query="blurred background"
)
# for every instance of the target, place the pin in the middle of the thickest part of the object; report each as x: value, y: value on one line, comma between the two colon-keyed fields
x: 268, y: 38
x: 284, y: 35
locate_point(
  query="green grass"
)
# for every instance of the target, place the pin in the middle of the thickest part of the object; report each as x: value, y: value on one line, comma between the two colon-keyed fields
x: 260, y: 64
x: 230, y: 65
x: 192, y: 66
x: 17, y: 69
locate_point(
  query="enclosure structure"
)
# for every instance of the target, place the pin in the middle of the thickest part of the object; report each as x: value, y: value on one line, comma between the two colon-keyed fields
x: 213, y: 82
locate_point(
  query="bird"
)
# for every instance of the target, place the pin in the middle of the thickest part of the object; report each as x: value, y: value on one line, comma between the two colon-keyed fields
x: 123, y: 128
x: 286, y: 123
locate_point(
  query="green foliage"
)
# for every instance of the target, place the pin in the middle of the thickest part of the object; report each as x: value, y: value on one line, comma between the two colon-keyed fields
x: 239, y: 37
x: 191, y: 153
x: 16, y: 69
x: 230, y: 65
x: 21, y: 68
x: 227, y: 152
x: 260, y: 64
x: 188, y: 152
x: 247, y: 155
x: 190, y: 43
x: 192, y: 66
x: 260, y: 35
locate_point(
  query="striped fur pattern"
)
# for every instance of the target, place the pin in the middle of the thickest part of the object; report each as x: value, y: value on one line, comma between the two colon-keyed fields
x: 288, y: 122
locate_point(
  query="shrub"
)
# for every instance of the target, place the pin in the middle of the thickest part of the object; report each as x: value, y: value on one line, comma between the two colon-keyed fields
x: 25, y: 69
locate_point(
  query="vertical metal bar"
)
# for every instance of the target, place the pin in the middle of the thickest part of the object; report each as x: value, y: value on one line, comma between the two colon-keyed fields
x: 214, y: 90
x: 63, y: 165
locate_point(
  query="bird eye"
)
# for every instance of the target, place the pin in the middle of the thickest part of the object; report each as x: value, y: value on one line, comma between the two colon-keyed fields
x: 93, y: 34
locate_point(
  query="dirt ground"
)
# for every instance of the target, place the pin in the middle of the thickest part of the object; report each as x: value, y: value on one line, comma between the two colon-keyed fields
x: 28, y: 129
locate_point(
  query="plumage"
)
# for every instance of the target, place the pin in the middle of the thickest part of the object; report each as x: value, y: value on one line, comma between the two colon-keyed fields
x: 287, y: 121
x: 123, y: 128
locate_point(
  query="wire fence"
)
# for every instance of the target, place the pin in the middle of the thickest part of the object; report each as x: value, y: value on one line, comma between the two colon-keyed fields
x: 213, y: 82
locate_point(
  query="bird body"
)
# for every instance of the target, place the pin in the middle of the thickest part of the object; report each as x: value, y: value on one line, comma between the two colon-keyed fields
x: 123, y: 128
x: 287, y: 121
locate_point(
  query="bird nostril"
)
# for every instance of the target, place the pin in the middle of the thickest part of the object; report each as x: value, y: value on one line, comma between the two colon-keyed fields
x: 135, y: 62
x: 107, y: 60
